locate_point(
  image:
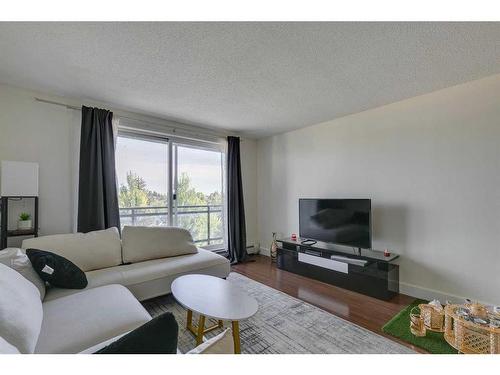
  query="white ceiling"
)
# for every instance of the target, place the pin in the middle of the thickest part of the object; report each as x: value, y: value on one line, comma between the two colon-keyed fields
x: 256, y: 79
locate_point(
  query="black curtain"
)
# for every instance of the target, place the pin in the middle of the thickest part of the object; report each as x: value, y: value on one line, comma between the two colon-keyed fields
x: 237, y: 237
x: 97, y: 192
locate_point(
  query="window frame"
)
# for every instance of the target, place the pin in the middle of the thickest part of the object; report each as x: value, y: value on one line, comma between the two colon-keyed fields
x: 172, y: 141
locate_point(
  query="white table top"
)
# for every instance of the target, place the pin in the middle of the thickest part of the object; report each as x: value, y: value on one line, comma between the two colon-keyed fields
x: 213, y: 297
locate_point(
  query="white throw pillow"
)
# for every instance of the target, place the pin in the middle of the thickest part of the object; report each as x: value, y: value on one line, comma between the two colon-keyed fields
x: 89, y: 251
x: 19, y: 261
x: 21, y: 311
x: 6, y: 348
x: 146, y: 243
x: 221, y: 344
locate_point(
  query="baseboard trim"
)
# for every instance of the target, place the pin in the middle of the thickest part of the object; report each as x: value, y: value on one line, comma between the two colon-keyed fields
x: 265, y: 252
x: 430, y: 294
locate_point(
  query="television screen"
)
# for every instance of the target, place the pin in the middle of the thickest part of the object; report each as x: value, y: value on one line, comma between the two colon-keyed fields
x: 340, y: 221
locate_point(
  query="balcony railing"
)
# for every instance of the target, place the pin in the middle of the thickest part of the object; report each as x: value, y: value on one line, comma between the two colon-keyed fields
x: 203, y: 221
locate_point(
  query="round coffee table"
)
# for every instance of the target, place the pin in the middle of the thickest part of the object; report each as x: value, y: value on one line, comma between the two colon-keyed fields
x: 212, y: 297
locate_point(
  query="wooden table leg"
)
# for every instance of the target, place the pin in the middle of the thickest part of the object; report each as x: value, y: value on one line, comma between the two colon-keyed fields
x: 236, y: 337
x: 201, y: 330
x: 189, y: 320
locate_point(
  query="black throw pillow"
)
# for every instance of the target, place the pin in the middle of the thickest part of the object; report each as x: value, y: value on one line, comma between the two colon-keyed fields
x: 158, y: 336
x: 57, y: 270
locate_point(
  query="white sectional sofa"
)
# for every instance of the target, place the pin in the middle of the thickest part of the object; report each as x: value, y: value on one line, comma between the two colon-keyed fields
x: 83, y: 321
x: 146, y: 261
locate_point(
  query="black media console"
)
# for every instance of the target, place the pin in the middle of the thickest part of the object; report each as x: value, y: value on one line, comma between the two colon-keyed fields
x: 365, y: 271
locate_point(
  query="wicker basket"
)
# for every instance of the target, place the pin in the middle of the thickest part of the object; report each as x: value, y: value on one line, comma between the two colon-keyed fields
x: 416, y: 322
x: 468, y: 337
x: 433, y: 318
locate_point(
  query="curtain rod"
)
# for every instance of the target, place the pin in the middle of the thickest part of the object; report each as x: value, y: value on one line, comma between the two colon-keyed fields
x: 174, y: 129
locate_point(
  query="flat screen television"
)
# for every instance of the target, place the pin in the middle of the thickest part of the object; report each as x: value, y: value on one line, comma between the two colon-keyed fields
x: 339, y: 221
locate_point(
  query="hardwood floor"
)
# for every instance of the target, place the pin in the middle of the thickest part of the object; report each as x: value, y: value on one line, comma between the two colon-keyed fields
x: 365, y: 311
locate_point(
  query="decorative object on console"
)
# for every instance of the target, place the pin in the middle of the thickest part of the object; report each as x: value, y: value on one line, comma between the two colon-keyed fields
x: 57, y: 270
x: 274, y: 248
x: 24, y: 222
x: 18, y: 181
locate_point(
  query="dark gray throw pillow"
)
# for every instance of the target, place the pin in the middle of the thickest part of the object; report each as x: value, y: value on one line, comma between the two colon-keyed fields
x: 57, y: 270
x: 158, y: 336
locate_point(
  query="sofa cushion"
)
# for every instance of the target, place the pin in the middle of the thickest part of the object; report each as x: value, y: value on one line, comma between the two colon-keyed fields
x: 155, y: 269
x: 76, y: 322
x: 161, y: 286
x: 20, y: 310
x: 6, y: 348
x: 17, y: 260
x: 162, y: 270
x: 158, y: 336
x: 146, y: 243
x: 57, y: 270
x: 96, y: 278
x: 89, y: 251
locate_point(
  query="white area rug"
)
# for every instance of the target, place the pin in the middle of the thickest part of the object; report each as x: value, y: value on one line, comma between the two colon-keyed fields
x: 285, y: 325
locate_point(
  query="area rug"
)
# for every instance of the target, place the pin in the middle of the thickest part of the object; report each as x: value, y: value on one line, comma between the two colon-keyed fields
x: 285, y: 325
x: 399, y: 327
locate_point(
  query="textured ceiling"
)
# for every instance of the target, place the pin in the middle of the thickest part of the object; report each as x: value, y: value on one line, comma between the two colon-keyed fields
x: 256, y: 79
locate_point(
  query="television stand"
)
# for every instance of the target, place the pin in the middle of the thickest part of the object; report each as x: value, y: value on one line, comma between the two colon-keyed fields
x: 364, y: 271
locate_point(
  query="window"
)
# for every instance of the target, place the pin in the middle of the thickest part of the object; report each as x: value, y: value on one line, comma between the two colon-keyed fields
x: 165, y: 182
x: 198, y: 182
x: 142, y: 169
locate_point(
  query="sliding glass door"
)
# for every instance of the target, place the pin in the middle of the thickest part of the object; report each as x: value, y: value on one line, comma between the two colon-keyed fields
x: 198, y: 193
x: 142, y: 170
x: 166, y: 182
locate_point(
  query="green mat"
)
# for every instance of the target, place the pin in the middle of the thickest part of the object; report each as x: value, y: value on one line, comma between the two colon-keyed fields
x: 399, y: 326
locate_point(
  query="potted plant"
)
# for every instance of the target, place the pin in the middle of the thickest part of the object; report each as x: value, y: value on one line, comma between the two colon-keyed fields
x: 24, y: 222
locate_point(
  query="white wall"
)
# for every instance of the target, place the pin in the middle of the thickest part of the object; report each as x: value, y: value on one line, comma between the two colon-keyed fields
x: 48, y: 134
x: 431, y: 166
x: 32, y: 131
